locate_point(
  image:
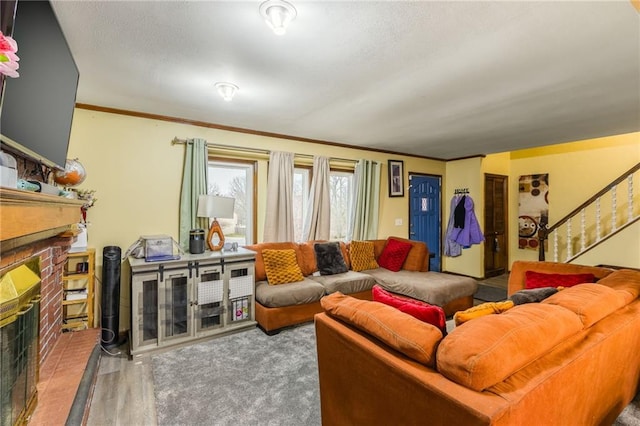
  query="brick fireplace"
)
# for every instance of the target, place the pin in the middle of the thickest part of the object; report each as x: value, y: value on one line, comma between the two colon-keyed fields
x: 37, y: 227
x: 52, y: 253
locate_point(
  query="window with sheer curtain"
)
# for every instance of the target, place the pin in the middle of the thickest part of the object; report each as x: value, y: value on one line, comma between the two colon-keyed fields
x: 235, y: 179
x: 340, y: 193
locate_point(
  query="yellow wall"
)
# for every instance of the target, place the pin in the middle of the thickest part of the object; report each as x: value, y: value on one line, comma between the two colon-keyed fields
x: 577, y: 171
x: 465, y: 174
x: 137, y: 173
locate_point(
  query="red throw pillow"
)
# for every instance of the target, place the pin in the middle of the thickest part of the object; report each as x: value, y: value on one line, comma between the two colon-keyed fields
x: 423, y: 311
x: 394, y: 254
x: 538, y: 279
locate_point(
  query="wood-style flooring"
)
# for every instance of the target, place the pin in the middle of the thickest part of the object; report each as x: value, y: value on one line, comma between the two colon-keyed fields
x: 123, y: 394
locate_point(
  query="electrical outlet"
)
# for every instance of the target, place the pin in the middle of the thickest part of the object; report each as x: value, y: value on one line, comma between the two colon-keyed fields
x: 398, y: 222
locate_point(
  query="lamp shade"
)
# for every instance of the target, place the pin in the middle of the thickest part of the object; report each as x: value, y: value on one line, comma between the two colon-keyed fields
x: 216, y: 207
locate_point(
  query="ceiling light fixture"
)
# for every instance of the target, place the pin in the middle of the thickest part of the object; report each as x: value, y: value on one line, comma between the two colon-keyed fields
x: 278, y: 14
x: 226, y: 90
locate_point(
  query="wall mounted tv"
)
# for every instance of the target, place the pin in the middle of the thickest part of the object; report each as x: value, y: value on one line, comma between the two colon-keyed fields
x: 36, y: 109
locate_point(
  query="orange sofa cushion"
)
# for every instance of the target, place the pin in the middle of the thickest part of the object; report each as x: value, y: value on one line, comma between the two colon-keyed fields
x: 627, y: 280
x: 400, y: 331
x: 591, y: 302
x: 487, y: 350
x: 260, y: 273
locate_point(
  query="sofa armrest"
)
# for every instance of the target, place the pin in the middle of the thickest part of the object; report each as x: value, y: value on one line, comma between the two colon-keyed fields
x: 373, y: 381
x: 520, y: 267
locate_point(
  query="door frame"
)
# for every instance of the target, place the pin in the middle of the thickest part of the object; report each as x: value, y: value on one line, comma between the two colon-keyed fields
x: 506, y: 219
x: 440, y: 227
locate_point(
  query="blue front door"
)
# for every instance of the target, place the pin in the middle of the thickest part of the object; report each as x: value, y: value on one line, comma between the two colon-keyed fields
x: 424, y: 215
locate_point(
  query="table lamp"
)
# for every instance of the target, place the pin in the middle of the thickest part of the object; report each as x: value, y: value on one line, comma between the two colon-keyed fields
x: 212, y: 206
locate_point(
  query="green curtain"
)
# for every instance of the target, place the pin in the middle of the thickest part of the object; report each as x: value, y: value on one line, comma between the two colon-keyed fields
x: 366, y: 201
x: 194, y: 183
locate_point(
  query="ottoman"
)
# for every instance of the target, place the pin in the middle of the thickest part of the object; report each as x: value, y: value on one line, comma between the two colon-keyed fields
x: 452, y: 292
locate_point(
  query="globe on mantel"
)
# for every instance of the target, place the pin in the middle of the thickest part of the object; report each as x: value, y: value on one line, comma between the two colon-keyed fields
x: 72, y: 175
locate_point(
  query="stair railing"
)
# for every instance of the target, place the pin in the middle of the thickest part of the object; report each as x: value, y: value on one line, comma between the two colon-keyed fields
x: 599, y: 220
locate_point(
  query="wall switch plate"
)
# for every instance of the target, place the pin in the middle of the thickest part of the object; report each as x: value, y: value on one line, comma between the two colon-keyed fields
x: 398, y: 222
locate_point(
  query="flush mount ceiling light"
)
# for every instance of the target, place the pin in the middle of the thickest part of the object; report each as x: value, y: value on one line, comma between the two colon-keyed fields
x: 278, y: 14
x: 226, y: 90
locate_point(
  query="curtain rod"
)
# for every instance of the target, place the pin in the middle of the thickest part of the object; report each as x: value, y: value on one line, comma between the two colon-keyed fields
x: 178, y: 141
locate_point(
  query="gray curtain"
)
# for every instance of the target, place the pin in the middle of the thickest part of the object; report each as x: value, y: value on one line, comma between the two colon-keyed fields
x: 366, y: 201
x: 194, y: 183
x: 278, y: 221
x: 317, y: 219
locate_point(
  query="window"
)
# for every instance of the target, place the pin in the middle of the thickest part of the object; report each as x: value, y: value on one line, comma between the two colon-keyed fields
x: 301, y: 182
x: 340, y: 193
x: 235, y: 179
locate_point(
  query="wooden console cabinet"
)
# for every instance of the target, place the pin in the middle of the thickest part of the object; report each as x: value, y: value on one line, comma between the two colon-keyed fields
x: 196, y: 296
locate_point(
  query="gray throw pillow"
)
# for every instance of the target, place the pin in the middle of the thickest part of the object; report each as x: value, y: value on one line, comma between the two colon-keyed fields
x: 533, y: 295
x: 329, y: 258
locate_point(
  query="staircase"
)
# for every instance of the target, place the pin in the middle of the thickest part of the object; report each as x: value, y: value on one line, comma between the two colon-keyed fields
x: 608, y: 212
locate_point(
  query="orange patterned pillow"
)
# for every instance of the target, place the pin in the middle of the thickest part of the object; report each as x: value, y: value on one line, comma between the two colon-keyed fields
x: 362, y: 255
x: 281, y: 266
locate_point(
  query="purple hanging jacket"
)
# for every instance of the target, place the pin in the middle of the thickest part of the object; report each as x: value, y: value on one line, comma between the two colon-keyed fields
x: 471, y: 233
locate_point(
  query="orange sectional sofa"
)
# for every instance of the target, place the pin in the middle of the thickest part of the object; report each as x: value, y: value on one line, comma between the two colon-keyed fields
x: 570, y: 359
x: 295, y: 303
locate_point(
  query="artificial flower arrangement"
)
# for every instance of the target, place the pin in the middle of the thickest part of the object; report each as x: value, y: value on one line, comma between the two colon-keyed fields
x: 8, y: 58
x: 86, y: 195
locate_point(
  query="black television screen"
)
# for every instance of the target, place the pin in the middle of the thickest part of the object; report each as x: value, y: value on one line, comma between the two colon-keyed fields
x: 37, y: 108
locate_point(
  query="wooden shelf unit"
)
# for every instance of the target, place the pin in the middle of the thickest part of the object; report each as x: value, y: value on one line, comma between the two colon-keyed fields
x: 77, y: 312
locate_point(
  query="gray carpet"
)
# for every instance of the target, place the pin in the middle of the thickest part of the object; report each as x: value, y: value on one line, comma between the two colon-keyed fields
x: 245, y: 378
x: 486, y: 293
x: 250, y: 378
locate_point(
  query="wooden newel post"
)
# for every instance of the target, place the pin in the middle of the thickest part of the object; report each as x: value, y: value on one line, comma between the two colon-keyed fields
x: 542, y: 236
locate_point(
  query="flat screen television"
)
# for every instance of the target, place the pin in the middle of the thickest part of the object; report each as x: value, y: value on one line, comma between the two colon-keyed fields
x: 36, y: 109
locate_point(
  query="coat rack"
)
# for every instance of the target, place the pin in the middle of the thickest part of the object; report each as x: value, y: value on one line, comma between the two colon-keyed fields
x: 459, y: 191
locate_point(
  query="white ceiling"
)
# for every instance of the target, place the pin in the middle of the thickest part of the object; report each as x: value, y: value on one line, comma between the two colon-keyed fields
x: 437, y: 79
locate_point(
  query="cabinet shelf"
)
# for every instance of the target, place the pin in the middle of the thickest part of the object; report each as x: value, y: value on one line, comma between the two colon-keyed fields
x: 76, y: 276
x: 77, y: 313
x: 73, y: 302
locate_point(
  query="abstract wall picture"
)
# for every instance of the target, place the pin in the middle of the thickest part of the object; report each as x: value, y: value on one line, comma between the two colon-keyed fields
x: 533, y: 209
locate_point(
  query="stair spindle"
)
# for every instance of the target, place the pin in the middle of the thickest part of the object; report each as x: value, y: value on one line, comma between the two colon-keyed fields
x: 569, y: 248
x: 613, y: 208
x: 555, y: 246
x: 630, y: 200
x: 583, y: 233
x: 598, y: 226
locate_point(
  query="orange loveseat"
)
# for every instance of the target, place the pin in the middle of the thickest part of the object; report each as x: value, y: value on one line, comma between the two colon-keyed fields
x: 572, y: 359
x: 295, y: 307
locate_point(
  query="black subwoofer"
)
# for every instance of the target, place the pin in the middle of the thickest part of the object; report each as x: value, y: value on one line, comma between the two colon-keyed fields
x: 110, y: 296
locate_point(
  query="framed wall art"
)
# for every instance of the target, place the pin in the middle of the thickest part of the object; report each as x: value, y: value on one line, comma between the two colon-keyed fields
x: 396, y: 178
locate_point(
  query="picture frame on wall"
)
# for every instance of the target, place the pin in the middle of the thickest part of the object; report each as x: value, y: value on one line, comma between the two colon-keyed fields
x: 396, y: 178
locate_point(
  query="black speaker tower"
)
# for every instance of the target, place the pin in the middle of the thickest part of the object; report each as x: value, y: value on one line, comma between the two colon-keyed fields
x: 110, y: 296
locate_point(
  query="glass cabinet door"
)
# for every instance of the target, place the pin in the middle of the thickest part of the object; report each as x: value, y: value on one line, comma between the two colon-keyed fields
x: 209, y: 306
x: 145, y: 304
x: 175, y: 305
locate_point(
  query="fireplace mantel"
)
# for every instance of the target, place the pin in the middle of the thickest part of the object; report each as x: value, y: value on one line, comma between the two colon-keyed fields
x: 26, y: 216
